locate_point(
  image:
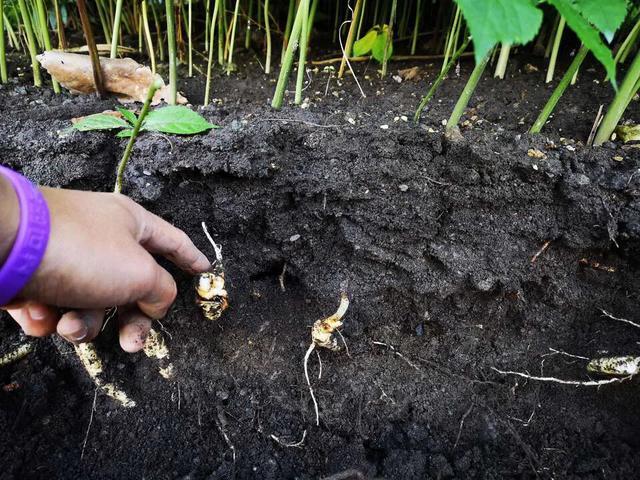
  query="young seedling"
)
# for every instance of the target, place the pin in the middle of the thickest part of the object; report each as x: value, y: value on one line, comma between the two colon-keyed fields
x: 211, y: 295
x: 322, y: 335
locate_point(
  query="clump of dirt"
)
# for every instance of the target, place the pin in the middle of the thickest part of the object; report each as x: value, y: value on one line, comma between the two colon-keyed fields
x: 435, y: 240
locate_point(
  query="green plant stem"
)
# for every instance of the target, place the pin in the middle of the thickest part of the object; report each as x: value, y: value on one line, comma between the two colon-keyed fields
x: 206, y: 25
x: 62, y: 41
x: 189, y: 33
x: 627, y: 90
x: 11, y: 34
x: 552, y: 36
x: 628, y: 44
x: 336, y: 18
x: 267, y: 28
x: 364, y: 6
x: 247, y: 33
x: 171, y: 48
x: 554, y: 52
x: 452, y: 61
x: 212, y: 32
x: 221, y: 21
x: 304, y: 6
x: 42, y: 19
x: 232, y: 42
x: 467, y: 92
x: 159, y: 40
x: 91, y: 45
x: 31, y: 42
x: 287, y: 61
x: 287, y: 30
x: 312, y: 19
x: 116, y: 29
x: 559, y: 90
x: 449, y: 42
x: 376, y: 10
x: 385, y: 56
x: 3, y: 57
x: 503, y: 60
x: 147, y: 35
x: 416, y: 27
x: 136, y: 128
x: 350, y: 37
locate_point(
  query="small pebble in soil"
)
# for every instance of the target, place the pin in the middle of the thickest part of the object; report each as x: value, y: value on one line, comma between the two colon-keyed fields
x: 294, y: 238
x: 618, y: 158
x: 403, y: 187
x: 384, y: 127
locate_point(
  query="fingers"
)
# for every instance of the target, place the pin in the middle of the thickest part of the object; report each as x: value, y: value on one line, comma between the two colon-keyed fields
x: 134, y: 328
x: 159, y: 236
x: 79, y: 326
x: 36, y: 319
x: 156, y: 290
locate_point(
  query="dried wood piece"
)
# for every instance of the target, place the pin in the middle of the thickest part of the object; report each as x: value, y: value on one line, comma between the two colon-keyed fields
x: 124, y: 77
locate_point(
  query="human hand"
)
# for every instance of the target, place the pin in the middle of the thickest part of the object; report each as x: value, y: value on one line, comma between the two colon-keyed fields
x: 99, y: 256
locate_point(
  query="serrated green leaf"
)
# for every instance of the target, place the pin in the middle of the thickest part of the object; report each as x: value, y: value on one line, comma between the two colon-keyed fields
x: 125, y: 133
x: 605, y: 16
x: 100, y: 121
x: 128, y: 115
x: 587, y: 34
x: 365, y: 44
x: 178, y: 119
x: 500, y: 21
x: 377, y: 50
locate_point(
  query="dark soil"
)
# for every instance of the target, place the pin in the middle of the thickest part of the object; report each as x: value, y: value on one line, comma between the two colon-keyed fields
x: 435, y: 239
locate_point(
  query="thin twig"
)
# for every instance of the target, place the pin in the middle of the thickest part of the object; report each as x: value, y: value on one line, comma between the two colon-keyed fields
x: 624, y: 320
x: 544, y: 247
x: 86, y: 437
x: 464, y: 417
x: 594, y: 128
x: 392, y: 348
x: 578, y: 383
x: 560, y: 352
x: 281, y: 276
x: 290, y: 445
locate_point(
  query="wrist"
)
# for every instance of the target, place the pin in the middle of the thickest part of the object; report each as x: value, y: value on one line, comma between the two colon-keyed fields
x: 9, y: 217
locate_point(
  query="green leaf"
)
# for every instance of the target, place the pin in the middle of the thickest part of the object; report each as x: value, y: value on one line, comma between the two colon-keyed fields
x: 605, y: 16
x: 500, y: 21
x: 587, y: 34
x: 377, y: 51
x: 179, y: 120
x: 100, y: 121
x: 128, y: 115
x: 365, y: 44
x: 125, y: 133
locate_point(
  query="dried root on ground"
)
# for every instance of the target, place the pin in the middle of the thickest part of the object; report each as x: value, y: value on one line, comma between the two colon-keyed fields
x: 17, y: 354
x: 211, y: 295
x: 322, y: 335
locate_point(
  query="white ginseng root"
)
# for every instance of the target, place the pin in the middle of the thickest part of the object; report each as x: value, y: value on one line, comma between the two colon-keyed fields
x: 155, y: 347
x: 322, y: 335
x: 92, y: 363
x: 211, y: 294
x: 17, y: 354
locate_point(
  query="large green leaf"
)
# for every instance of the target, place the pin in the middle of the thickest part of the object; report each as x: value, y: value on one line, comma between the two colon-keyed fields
x: 606, y: 16
x: 365, y: 44
x: 587, y: 34
x: 179, y: 120
x: 100, y: 121
x: 377, y: 50
x: 500, y: 21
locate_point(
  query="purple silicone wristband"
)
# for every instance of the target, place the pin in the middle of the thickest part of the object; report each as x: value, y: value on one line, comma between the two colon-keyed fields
x: 31, y: 240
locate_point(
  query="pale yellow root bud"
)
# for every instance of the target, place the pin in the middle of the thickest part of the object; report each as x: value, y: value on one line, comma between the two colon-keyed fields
x: 156, y: 347
x: 17, y: 354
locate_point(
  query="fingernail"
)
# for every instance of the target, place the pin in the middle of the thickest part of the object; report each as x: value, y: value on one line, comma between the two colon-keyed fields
x: 79, y: 334
x: 37, y: 312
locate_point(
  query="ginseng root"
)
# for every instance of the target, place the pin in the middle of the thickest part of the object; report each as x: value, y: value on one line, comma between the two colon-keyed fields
x: 211, y: 295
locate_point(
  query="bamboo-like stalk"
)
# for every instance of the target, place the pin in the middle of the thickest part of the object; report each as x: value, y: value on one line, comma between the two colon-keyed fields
x: 206, y: 25
x: 3, y: 57
x: 335, y: 21
x: 503, y: 60
x: 91, y: 45
x: 189, y: 34
x: 42, y: 20
x: 627, y: 90
x: 247, y: 33
x: 221, y: 23
x: 232, y: 41
x: 452, y: 33
x: 312, y: 19
x: 359, y: 31
x: 302, y: 68
x: 11, y: 34
x: 467, y: 92
x: 287, y: 62
x: 136, y: 128
x: 267, y: 29
x: 212, y: 32
x: 559, y: 91
x: 350, y: 37
x: 147, y: 35
x: 436, y: 84
x: 116, y: 29
x: 288, y: 27
x: 416, y: 27
x: 387, y: 46
x: 31, y: 42
x: 402, y: 25
x: 554, y: 52
x: 159, y: 40
x: 171, y: 48
x: 62, y: 41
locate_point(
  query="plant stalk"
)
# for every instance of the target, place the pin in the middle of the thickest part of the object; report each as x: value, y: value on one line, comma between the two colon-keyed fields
x: 554, y: 52
x: 267, y: 28
x: 62, y: 41
x: 350, y: 37
x: 287, y: 61
x: 503, y: 60
x: 212, y: 32
x: 232, y: 42
x: 31, y: 42
x: 392, y: 19
x: 42, y: 19
x: 189, y: 33
x: 302, y: 68
x: 115, y: 34
x: 93, y: 50
x: 171, y: 47
x: 467, y: 92
x: 147, y: 35
x: 3, y: 57
x: 416, y: 27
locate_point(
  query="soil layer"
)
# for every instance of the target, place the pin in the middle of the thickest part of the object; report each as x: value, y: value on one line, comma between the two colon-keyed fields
x: 435, y: 240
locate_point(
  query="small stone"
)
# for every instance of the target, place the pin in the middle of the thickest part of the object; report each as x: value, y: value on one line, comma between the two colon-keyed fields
x: 294, y: 238
x: 384, y: 127
x: 403, y: 187
x: 397, y: 78
x: 618, y: 158
x: 351, y: 121
x: 404, y: 118
x: 535, y: 153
